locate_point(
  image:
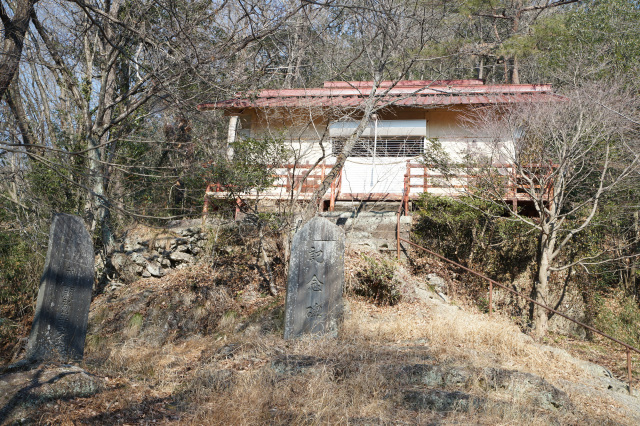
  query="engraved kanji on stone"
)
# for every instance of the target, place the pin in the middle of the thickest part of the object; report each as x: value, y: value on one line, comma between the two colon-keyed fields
x: 316, y: 254
x: 315, y: 284
x: 62, y: 311
x: 314, y: 311
x: 315, y: 281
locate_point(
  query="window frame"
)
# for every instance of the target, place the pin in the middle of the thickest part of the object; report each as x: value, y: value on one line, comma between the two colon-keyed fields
x: 384, y: 146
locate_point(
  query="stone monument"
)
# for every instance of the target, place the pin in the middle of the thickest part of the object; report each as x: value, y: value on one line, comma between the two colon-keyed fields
x: 316, y: 278
x: 62, y: 310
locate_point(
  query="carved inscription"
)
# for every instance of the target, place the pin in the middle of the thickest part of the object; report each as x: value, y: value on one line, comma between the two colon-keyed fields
x: 314, y: 311
x: 315, y: 284
x: 316, y: 254
x: 63, y: 320
x: 316, y: 276
x: 60, y: 321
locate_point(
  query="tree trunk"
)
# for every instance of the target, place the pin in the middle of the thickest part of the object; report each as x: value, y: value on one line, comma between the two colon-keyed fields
x: 634, y: 248
x: 266, y: 261
x: 515, y: 72
x: 98, y: 155
x: 350, y: 143
x: 14, y: 31
x: 589, y: 310
x: 481, y: 68
x: 540, y: 292
x: 296, y: 54
x: 14, y: 101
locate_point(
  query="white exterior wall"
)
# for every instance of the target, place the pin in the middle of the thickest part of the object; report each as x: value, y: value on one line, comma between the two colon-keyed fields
x: 461, y: 139
x: 381, y: 174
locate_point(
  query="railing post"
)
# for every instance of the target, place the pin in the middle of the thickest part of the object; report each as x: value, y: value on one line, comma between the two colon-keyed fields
x: 398, y: 237
x: 238, y: 203
x: 332, y: 200
x: 629, y: 368
x: 398, y: 232
x: 515, y: 190
x: 205, y: 208
x: 406, y: 198
x: 425, y: 182
x: 207, y: 200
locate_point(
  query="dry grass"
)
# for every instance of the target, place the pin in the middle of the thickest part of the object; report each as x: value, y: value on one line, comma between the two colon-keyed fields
x: 350, y: 383
x: 232, y: 377
x: 454, y: 333
x: 241, y: 371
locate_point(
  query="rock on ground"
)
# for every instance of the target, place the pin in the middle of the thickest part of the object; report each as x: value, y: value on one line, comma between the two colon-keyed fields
x: 22, y: 392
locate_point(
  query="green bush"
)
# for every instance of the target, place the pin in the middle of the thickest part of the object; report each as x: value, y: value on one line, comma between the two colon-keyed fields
x: 252, y: 167
x: 377, y: 282
x: 20, y: 270
x: 455, y: 228
x: 474, y: 233
x: 619, y: 318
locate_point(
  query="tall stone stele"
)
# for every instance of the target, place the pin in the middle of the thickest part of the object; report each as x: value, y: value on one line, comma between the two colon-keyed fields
x: 62, y: 311
x: 316, y: 278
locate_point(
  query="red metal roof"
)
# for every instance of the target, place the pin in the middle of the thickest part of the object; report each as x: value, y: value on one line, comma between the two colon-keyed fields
x: 401, y: 83
x: 418, y: 93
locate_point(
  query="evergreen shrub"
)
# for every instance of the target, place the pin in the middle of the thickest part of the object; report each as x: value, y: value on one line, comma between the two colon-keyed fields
x: 377, y: 282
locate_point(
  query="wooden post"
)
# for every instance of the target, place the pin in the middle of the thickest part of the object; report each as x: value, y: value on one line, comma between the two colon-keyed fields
x: 490, y: 297
x: 407, y: 186
x: 403, y: 203
x: 398, y: 233
x: 205, y: 209
x: 238, y: 204
x: 629, y: 368
x: 425, y: 184
x: 332, y: 199
x: 207, y: 200
x: 515, y: 191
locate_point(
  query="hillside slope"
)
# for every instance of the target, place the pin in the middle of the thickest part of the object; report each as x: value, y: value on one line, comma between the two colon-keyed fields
x: 186, y: 349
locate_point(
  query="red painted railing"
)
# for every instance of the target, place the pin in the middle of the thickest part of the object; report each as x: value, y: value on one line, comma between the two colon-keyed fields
x: 295, y: 178
x: 515, y: 187
x: 305, y: 179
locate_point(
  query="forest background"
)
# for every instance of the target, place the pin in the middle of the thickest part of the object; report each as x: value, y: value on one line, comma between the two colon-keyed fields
x: 98, y: 104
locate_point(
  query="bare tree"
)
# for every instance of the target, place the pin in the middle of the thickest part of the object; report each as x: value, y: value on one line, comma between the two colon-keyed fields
x: 14, y: 29
x: 390, y: 38
x: 566, y: 158
x: 96, y: 74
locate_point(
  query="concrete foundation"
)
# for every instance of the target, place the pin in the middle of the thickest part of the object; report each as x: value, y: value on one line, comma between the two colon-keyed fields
x: 376, y: 230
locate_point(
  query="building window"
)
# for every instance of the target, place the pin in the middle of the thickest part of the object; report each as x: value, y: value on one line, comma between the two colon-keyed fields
x: 383, y: 147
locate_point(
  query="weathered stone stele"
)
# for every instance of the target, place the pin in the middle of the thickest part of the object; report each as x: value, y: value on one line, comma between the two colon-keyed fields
x: 316, y: 278
x: 62, y: 310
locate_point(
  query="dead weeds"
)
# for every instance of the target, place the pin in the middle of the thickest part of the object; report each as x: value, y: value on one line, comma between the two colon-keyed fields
x: 221, y: 359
